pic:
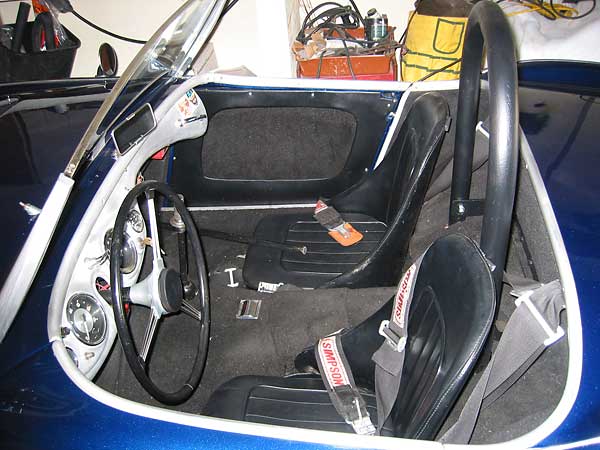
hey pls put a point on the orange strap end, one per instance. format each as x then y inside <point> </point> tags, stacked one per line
<point>355,236</point>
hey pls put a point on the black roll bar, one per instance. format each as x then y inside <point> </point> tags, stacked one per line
<point>488,26</point>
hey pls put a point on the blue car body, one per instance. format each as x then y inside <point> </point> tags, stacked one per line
<point>41,407</point>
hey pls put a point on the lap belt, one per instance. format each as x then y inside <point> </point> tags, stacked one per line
<point>340,230</point>
<point>340,385</point>
<point>532,327</point>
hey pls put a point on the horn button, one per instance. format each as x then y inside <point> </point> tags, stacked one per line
<point>170,290</point>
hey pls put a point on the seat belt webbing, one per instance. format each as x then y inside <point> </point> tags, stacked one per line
<point>342,390</point>
<point>522,342</point>
<point>389,358</point>
<point>389,361</point>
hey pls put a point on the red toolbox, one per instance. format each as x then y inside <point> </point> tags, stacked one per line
<point>366,67</point>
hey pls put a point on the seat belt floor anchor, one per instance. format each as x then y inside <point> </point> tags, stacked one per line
<point>553,336</point>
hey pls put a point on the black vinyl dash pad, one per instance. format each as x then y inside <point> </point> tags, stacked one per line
<point>277,143</point>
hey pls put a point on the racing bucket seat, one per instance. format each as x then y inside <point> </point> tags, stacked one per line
<point>453,303</point>
<point>383,206</point>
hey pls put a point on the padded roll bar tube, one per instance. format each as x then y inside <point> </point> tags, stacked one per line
<point>488,25</point>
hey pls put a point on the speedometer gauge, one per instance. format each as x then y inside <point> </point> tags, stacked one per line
<point>86,318</point>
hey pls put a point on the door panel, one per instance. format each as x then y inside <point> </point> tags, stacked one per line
<point>280,146</point>
<point>281,143</point>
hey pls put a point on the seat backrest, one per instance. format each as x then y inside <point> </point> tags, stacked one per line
<point>450,318</point>
<point>395,191</point>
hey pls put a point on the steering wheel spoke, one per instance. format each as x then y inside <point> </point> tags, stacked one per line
<point>141,292</point>
<point>190,310</point>
<point>149,334</point>
<point>155,242</point>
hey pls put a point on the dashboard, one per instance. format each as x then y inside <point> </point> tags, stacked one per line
<point>88,328</point>
<point>80,311</point>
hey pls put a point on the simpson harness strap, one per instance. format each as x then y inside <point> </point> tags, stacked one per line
<point>338,379</point>
<point>532,327</point>
<point>389,359</point>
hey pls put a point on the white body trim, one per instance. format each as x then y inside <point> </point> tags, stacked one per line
<point>21,276</point>
<point>574,331</point>
<point>244,207</point>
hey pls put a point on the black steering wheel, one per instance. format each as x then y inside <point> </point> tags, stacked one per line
<point>164,291</point>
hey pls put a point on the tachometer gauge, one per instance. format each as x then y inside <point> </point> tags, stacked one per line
<point>135,220</point>
<point>86,318</point>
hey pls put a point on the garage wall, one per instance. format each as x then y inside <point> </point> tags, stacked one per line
<point>255,33</point>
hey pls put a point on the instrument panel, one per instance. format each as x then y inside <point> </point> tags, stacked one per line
<point>87,325</point>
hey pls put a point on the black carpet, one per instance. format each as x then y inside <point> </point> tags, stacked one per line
<point>288,322</point>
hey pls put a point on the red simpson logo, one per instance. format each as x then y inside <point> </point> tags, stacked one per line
<point>320,206</point>
<point>403,290</point>
<point>332,363</point>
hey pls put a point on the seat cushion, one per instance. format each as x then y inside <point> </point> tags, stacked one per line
<point>325,258</point>
<point>298,401</point>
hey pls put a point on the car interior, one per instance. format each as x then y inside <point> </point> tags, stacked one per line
<point>221,227</point>
<point>333,287</point>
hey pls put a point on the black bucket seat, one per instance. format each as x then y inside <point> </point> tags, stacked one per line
<point>383,206</point>
<point>449,321</point>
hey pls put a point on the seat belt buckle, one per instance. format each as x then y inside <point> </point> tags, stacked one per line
<point>340,230</point>
<point>346,234</point>
<point>362,424</point>
<point>398,343</point>
<point>553,336</point>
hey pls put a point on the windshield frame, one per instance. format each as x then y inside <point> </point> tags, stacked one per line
<point>149,65</point>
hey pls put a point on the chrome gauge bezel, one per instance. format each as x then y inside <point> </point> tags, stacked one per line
<point>129,255</point>
<point>129,251</point>
<point>88,306</point>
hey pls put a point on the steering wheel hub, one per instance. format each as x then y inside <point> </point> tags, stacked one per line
<point>170,290</point>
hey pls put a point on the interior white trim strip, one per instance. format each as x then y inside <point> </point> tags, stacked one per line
<point>243,207</point>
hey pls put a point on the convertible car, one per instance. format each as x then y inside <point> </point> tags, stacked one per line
<point>218,261</point>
